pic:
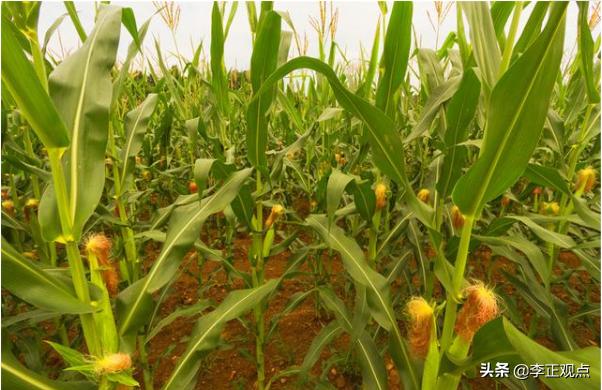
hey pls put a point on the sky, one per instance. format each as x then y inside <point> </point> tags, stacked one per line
<point>356,26</point>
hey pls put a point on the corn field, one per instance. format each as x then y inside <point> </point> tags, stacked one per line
<point>418,218</point>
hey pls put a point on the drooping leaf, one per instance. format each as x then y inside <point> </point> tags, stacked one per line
<point>362,192</point>
<point>133,50</point>
<point>243,204</point>
<point>30,282</point>
<point>531,251</point>
<point>547,177</point>
<point>19,77</point>
<point>559,239</point>
<point>187,311</point>
<point>16,376</point>
<point>326,335</point>
<point>384,140</point>
<point>207,331</point>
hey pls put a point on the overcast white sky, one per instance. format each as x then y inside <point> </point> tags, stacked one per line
<point>356,26</point>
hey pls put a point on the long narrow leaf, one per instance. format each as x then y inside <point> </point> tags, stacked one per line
<point>207,332</point>
<point>34,285</point>
<point>19,77</point>
<point>263,62</point>
<point>395,55</point>
<point>81,90</point>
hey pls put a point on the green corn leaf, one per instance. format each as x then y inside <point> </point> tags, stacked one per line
<point>530,250</point>
<point>561,240</point>
<point>376,288</point>
<point>516,113</point>
<point>366,87</point>
<point>374,375</point>
<point>212,254</point>
<point>133,50</point>
<point>394,60</point>
<point>19,163</point>
<point>219,80</point>
<point>547,177</point>
<point>337,182</point>
<point>252,16</point>
<point>431,70</point>
<point>243,204</point>
<point>70,6</point>
<point>81,90</point>
<point>128,19</point>
<point>136,125</point>
<point>173,86</point>
<point>500,13</point>
<point>263,62</point>
<point>71,356</point>
<point>591,262</point>
<point>357,266</point>
<point>51,30</point>
<point>485,46</point>
<point>591,218</point>
<point>11,222</point>
<point>265,9</point>
<point>207,332</point>
<point>326,335</point>
<point>135,303</point>
<point>440,95</point>
<point>460,112</point>
<point>364,199</point>
<point>294,301</point>
<point>231,15</point>
<point>33,284</point>
<point>16,376</point>
<point>586,54</point>
<point>28,319</point>
<point>285,45</point>
<point>532,28</point>
<point>20,79</point>
<point>187,311</point>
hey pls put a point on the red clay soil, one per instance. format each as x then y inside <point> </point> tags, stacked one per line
<point>233,367</point>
